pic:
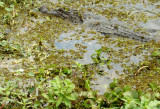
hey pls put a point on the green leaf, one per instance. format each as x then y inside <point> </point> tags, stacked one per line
<point>131,94</point>
<point>153,86</point>
<point>67,102</point>
<point>127,88</point>
<point>24,107</point>
<point>157,95</point>
<point>107,49</point>
<point>8,9</point>
<point>12,5</point>
<point>113,85</point>
<point>87,103</point>
<point>51,67</point>
<point>87,84</point>
<point>99,51</point>
<point>31,90</point>
<point>49,107</point>
<point>156,53</point>
<point>1,36</point>
<point>3,43</point>
<point>118,89</point>
<point>1,4</point>
<point>36,104</point>
<point>45,96</point>
<point>67,71</point>
<point>31,74</point>
<point>1,90</point>
<point>136,101</point>
<point>108,62</point>
<point>71,97</point>
<point>59,102</point>
<point>8,92</point>
<point>108,95</point>
<point>15,46</point>
<point>93,56</point>
<point>153,104</point>
<point>158,69</point>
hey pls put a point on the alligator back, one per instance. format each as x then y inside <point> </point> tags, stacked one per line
<point>97,23</point>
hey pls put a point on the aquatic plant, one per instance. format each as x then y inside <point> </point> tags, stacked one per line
<point>50,80</point>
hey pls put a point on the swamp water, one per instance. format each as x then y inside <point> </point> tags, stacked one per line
<point>64,43</point>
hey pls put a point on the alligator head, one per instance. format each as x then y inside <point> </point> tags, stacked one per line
<point>72,15</point>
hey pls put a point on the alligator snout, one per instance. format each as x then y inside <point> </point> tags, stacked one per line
<point>72,15</point>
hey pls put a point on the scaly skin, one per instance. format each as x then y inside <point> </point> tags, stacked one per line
<point>72,15</point>
<point>101,26</point>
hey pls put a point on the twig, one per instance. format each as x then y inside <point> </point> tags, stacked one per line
<point>3,105</point>
<point>140,69</point>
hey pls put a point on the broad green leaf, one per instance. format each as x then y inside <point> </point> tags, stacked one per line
<point>153,86</point>
<point>158,69</point>
<point>8,9</point>
<point>156,53</point>
<point>59,102</point>
<point>91,94</point>
<point>136,101</point>
<point>145,99</point>
<point>36,104</point>
<point>8,92</point>
<point>31,90</point>
<point>126,88</point>
<point>31,73</point>
<point>154,104</point>
<point>24,107</point>
<point>71,97</point>
<point>19,102</point>
<point>49,107</point>
<point>3,43</point>
<point>45,96</point>
<point>114,94</point>
<point>118,89</point>
<point>29,102</point>
<point>108,96</point>
<point>1,4</point>
<point>51,101</point>
<point>87,103</point>
<point>157,95</point>
<point>131,94</point>
<point>67,71</point>
<point>12,5</point>
<point>112,85</point>
<point>67,102</point>
<point>99,51</point>
<point>25,100</point>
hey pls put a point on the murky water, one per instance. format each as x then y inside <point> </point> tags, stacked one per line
<point>102,82</point>
<point>124,54</point>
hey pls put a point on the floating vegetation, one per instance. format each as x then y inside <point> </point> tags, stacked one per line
<point>48,62</point>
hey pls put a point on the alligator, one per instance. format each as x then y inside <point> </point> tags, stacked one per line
<point>93,22</point>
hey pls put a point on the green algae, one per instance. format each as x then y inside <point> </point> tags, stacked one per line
<point>41,31</point>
